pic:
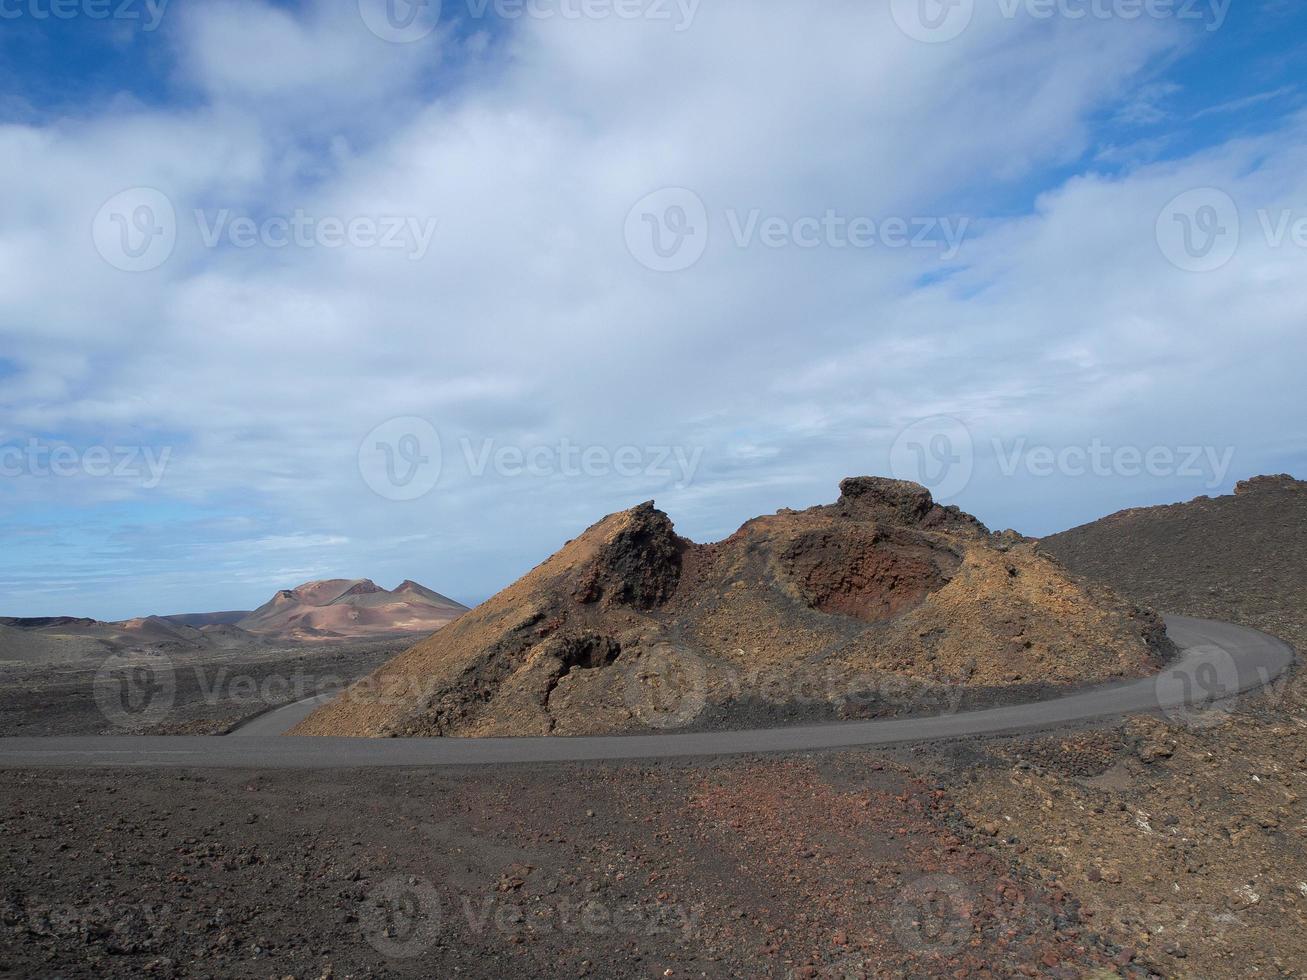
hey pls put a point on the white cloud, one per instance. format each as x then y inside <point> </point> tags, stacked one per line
<point>528,320</point>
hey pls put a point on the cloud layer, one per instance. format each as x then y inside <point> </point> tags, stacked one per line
<point>278,331</point>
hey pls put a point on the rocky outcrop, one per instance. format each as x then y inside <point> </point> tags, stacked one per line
<point>1279,483</point>
<point>870,574</point>
<point>639,566</point>
<point>630,624</point>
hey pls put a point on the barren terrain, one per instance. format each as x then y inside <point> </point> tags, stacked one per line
<point>1155,847</point>
<point>846,865</point>
<point>202,692</point>
<point>332,611</point>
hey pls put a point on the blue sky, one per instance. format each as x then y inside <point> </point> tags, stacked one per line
<point>295,291</point>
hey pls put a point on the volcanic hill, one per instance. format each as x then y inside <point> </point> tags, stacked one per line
<point>340,608</point>
<point>1242,557</point>
<point>882,590</point>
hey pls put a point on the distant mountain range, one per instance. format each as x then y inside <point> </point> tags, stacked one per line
<point>315,612</point>
<point>350,608</point>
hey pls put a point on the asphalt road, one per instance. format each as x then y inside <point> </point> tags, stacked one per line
<point>1220,660</point>
<point>281,720</point>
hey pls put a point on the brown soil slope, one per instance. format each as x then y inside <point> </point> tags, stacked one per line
<point>882,585</point>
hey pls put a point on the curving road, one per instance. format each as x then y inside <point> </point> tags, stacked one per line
<point>1219,660</point>
<point>279,721</point>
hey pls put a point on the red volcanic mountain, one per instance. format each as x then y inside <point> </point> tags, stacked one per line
<point>350,608</point>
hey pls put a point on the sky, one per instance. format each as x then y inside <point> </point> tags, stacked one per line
<point>371,289</point>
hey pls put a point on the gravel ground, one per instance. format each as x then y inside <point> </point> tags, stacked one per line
<point>851,864</point>
<point>1189,837</point>
<point>186,693</point>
